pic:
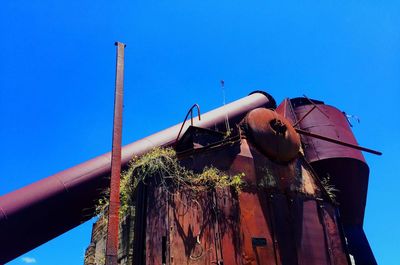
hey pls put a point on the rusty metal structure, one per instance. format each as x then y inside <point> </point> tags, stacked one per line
<point>113,211</point>
<point>283,215</point>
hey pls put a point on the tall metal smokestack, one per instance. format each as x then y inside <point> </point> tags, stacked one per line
<point>113,209</point>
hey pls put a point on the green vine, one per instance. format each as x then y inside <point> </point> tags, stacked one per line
<point>163,163</point>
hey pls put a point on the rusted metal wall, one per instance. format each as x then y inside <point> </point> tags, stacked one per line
<point>283,214</point>
<point>279,217</point>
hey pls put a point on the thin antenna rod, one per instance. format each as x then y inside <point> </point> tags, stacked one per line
<point>228,129</point>
<point>113,209</point>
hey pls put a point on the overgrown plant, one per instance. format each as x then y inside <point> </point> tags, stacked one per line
<point>329,188</point>
<point>267,180</point>
<point>163,164</point>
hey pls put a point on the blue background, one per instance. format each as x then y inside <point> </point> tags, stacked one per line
<point>57,66</point>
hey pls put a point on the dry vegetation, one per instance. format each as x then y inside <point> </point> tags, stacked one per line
<point>162,166</point>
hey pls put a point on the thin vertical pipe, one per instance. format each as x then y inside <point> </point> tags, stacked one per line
<point>113,210</point>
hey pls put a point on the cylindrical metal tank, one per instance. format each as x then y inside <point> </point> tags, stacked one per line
<point>345,166</point>
<point>43,210</point>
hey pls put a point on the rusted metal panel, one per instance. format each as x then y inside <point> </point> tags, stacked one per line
<point>255,225</point>
<point>229,226</point>
<point>192,232</point>
<point>182,229</point>
<point>139,237</point>
<point>304,116</point>
<point>157,230</point>
<point>254,220</point>
<point>336,247</point>
<point>283,228</point>
<point>311,248</point>
<point>286,110</point>
<point>222,206</point>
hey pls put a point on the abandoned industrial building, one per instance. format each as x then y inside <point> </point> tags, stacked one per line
<point>247,183</point>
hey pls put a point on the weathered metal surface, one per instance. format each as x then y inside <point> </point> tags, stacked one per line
<point>193,230</point>
<point>113,209</point>
<point>25,219</point>
<point>335,243</point>
<point>254,219</point>
<point>156,226</point>
<point>182,229</point>
<point>284,232</point>
<point>312,248</point>
<point>286,110</point>
<point>273,134</point>
<point>229,224</point>
<point>139,240</point>
<point>315,104</point>
<point>304,116</point>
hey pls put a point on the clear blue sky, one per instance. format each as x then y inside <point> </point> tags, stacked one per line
<point>57,65</point>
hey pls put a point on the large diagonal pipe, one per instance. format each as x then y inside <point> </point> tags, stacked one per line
<point>45,209</point>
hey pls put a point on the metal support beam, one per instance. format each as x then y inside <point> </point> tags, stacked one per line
<point>113,209</point>
<point>315,105</point>
<point>305,115</point>
<point>335,141</point>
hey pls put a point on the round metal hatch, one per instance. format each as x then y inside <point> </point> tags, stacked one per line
<point>273,134</point>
